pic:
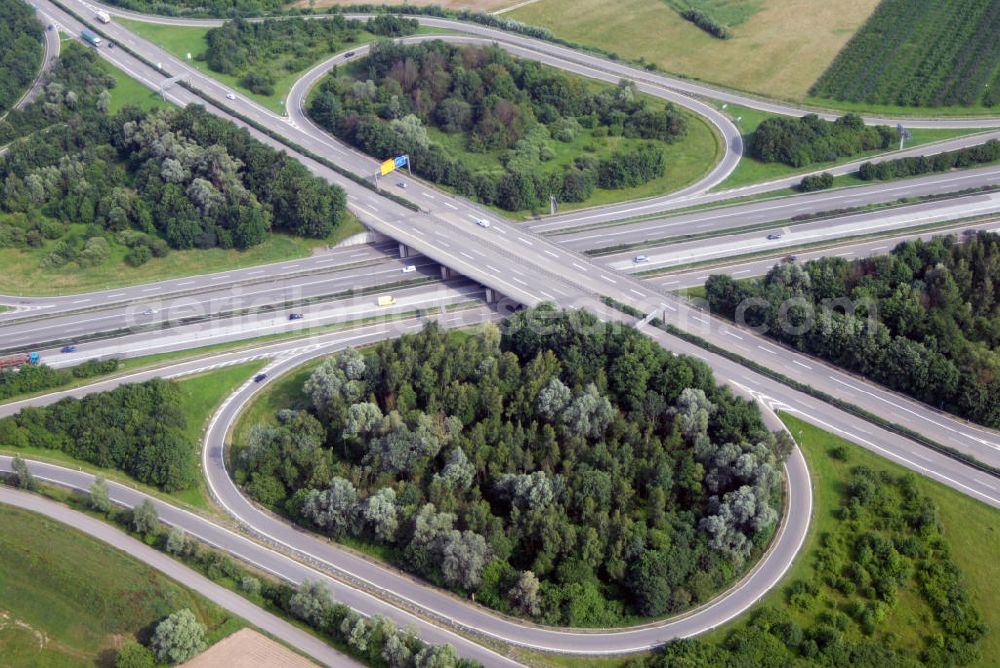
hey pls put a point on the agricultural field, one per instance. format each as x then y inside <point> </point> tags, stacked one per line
<point>69,600</point>
<point>779,51</point>
<point>474,5</point>
<point>920,53</point>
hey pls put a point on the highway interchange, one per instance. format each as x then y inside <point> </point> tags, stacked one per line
<point>527,263</point>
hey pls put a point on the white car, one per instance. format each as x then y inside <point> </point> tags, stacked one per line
<point>482,222</point>
<point>230,96</point>
<point>409,269</point>
<point>640,258</point>
<point>149,311</point>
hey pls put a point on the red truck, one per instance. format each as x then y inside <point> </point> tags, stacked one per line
<point>18,360</point>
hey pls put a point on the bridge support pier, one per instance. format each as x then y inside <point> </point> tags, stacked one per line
<point>492,296</point>
<point>404,250</point>
<point>447,273</point>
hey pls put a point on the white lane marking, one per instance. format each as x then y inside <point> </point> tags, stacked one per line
<point>547,295</point>
<point>427,195</point>
<point>548,252</point>
<point>699,319</point>
<point>253,273</point>
<point>419,231</point>
<point>445,244</point>
<point>805,366</point>
<point>732,334</point>
<point>466,255</point>
<point>580,267</point>
<point>81,301</point>
<point>151,289</point>
<point>117,294</point>
<point>524,241</point>
<point>451,206</point>
<point>768,350</point>
<point>668,306</point>
<point>609,280</point>
<point>500,231</point>
<point>493,269</point>
<point>518,280</point>
<point>636,292</point>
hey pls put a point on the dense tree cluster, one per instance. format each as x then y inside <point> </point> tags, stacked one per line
<point>35,378</point>
<point>258,52</point>
<point>134,428</point>
<point>888,552</point>
<point>924,320</point>
<point>802,141</point>
<point>501,109</point>
<point>706,23</point>
<point>568,470</point>
<point>20,50</point>
<point>980,154</point>
<point>149,181</point>
<point>815,182</point>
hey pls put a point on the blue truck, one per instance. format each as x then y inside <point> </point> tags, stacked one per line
<point>90,37</point>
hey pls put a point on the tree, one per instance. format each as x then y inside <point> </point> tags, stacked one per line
<point>145,518</point>
<point>178,638</point>
<point>525,596</point>
<point>378,513</point>
<point>177,541</point>
<point>134,655</point>
<point>22,476</point>
<point>311,601</point>
<point>464,554</point>
<point>100,499</point>
<point>437,656</point>
<point>333,508</point>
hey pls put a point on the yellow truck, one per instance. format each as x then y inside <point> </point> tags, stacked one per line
<point>387,300</point>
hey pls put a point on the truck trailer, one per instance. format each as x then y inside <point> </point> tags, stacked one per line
<point>90,37</point>
<point>18,360</point>
<point>103,17</point>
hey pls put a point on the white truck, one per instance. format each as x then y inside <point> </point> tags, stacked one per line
<point>103,17</point>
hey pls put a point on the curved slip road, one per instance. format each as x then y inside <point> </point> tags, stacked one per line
<point>411,593</point>
<point>234,603</point>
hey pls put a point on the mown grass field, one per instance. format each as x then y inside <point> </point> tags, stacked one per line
<point>129,92</point>
<point>971,528</point>
<point>69,600</point>
<point>778,51</point>
<point>201,396</point>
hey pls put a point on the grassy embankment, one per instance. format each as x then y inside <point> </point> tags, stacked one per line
<point>751,171</point>
<point>69,600</point>
<point>201,395</point>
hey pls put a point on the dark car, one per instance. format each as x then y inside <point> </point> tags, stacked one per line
<point>773,236</point>
<point>349,54</point>
<point>259,377</point>
<point>50,27</point>
<point>68,349</point>
<point>111,45</point>
<point>295,316</point>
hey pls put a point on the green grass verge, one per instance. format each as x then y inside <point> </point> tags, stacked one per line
<point>24,275</point>
<point>129,92</point>
<point>183,40</point>
<point>201,394</point>
<point>70,600</point>
<point>750,171</point>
